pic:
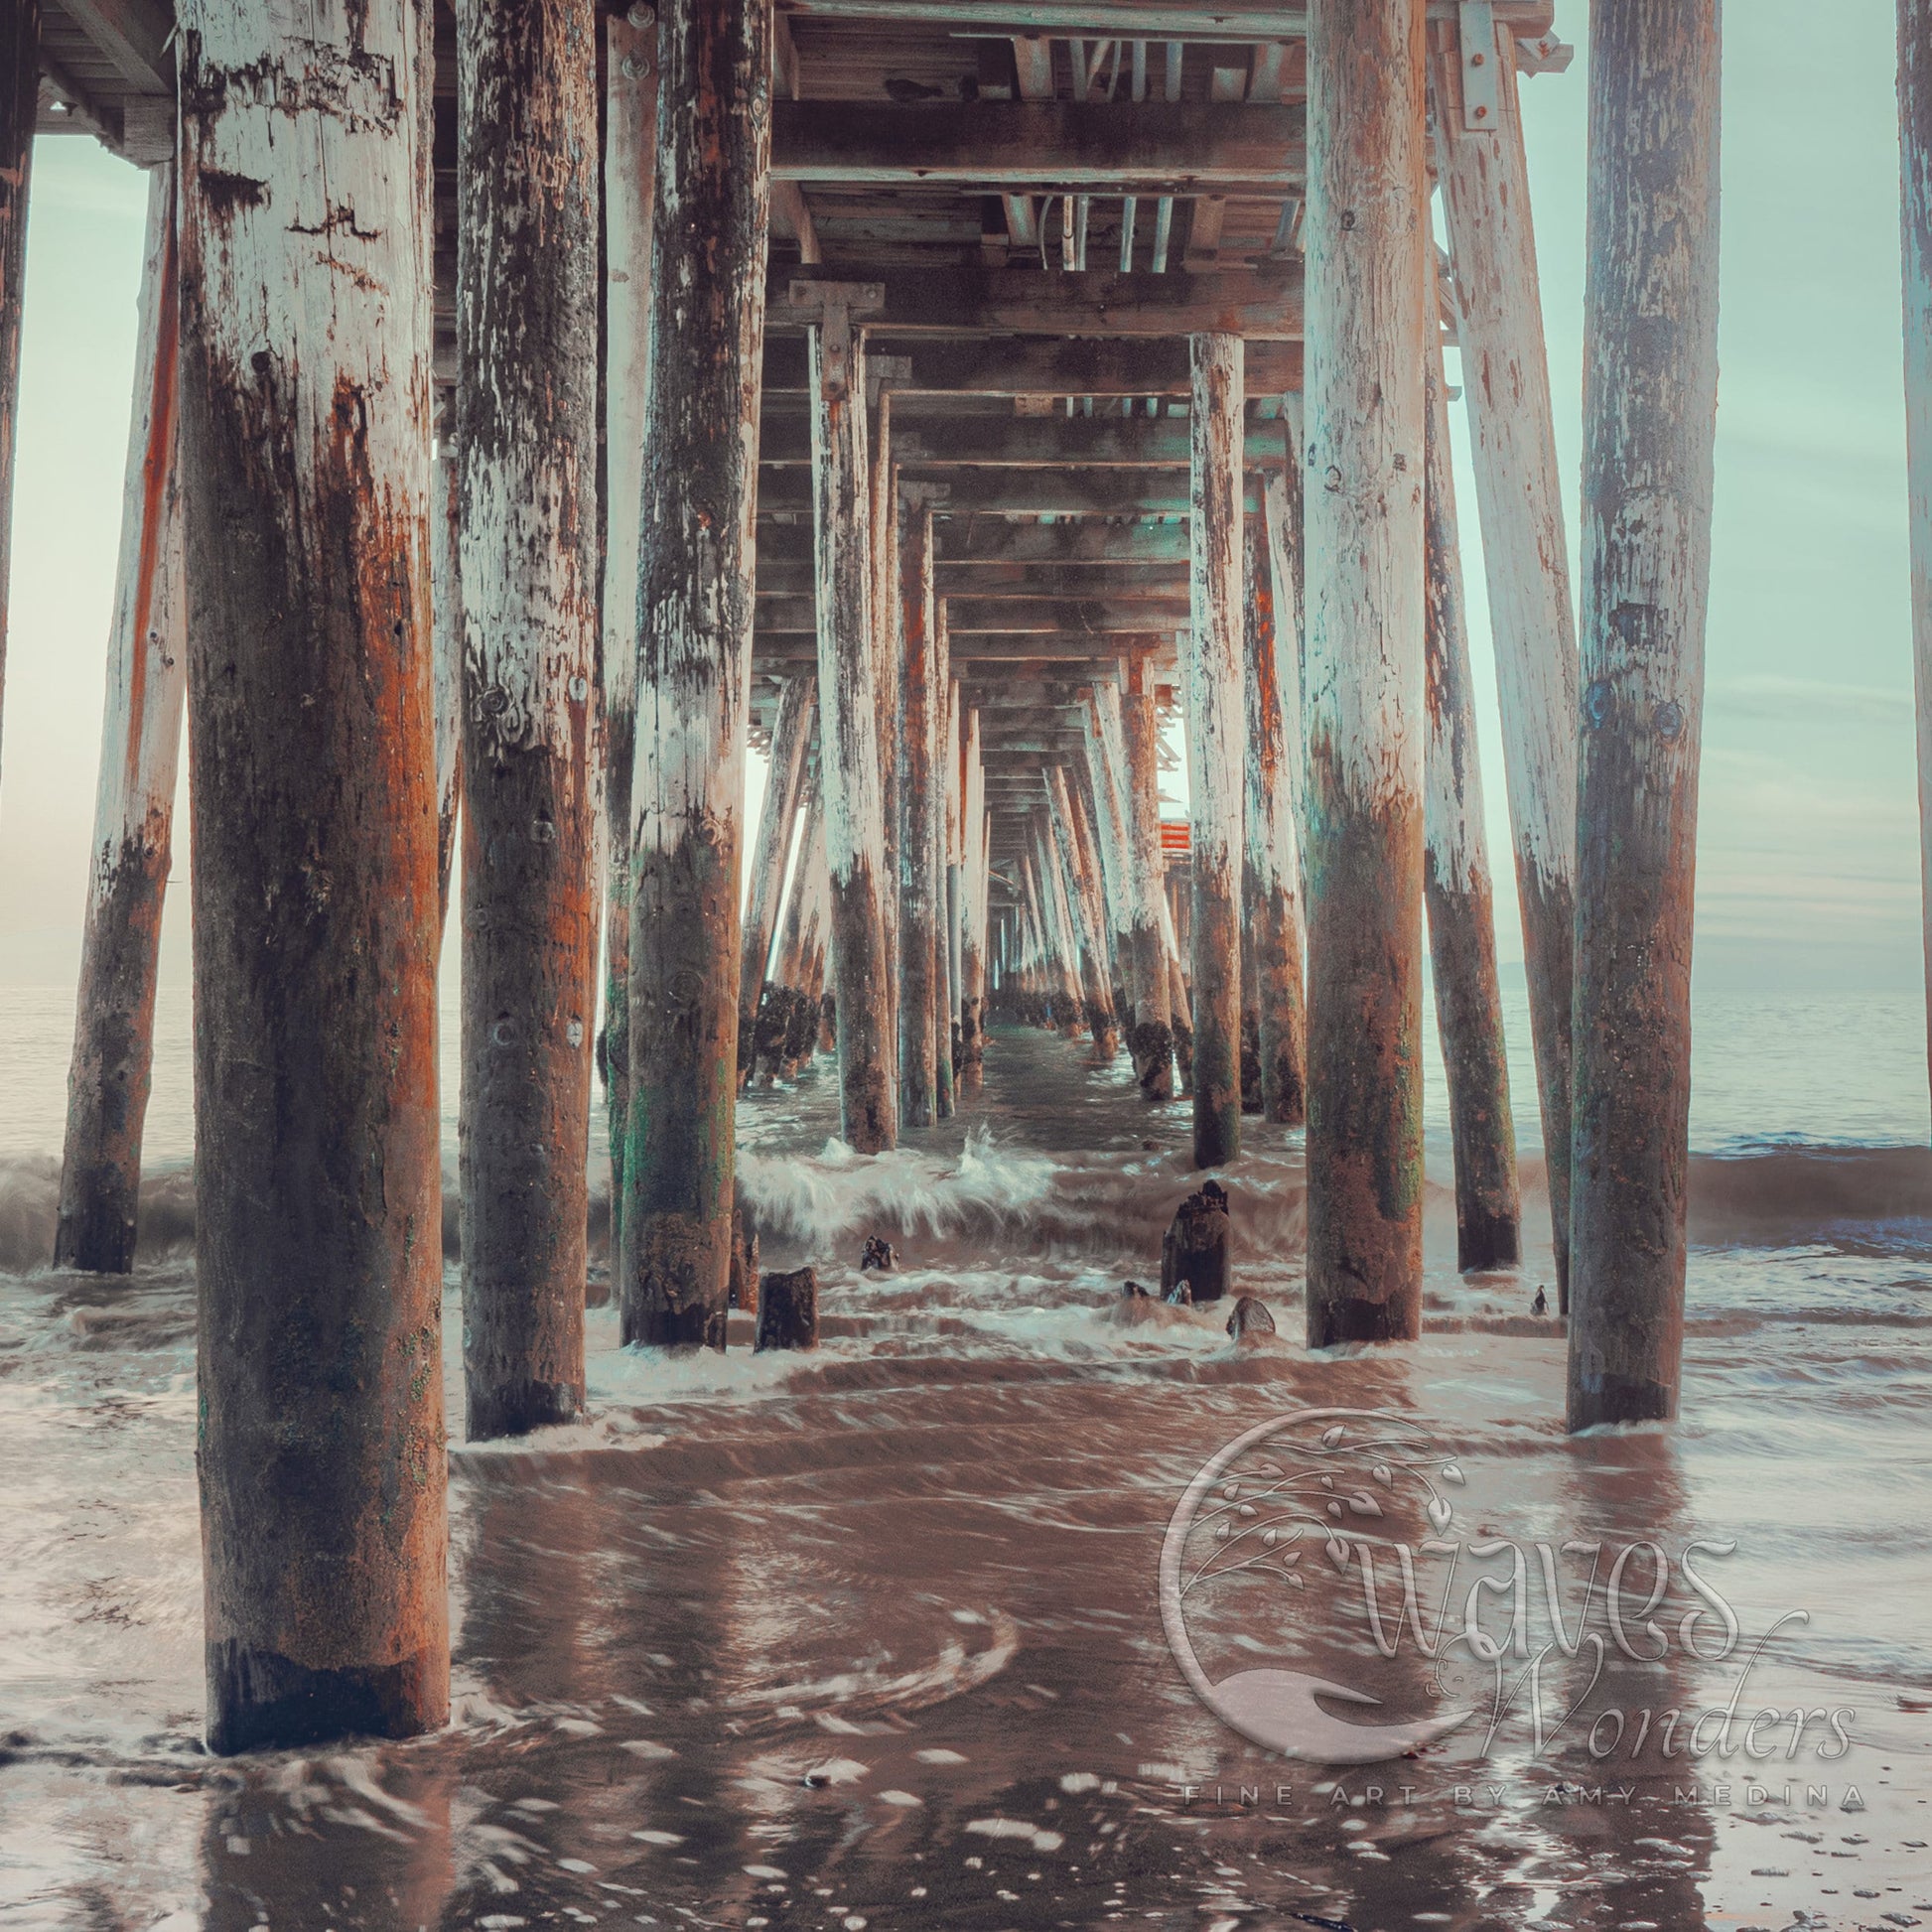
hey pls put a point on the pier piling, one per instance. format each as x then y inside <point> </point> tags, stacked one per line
<point>1526,556</point>
<point>629,204</point>
<point>1216,739</point>
<point>695,623</point>
<point>1457,889</point>
<point>1367,225</point>
<point>1271,865</point>
<point>134,805</point>
<point>526,432</point>
<point>848,720</point>
<point>305,484</point>
<point>1650,402</point>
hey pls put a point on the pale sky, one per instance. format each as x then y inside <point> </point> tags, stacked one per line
<point>1808,838</point>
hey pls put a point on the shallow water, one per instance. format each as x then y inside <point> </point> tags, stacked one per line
<point>874,1634</point>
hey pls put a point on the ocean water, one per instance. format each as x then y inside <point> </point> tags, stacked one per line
<point>875,1635</point>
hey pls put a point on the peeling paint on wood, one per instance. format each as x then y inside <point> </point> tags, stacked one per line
<point>1651,399</point>
<point>526,428</point>
<point>1457,888</point>
<point>305,481</point>
<point>1526,558</point>
<point>147,676</point>
<point>1216,743</point>
<point>694,606</point>
<point>1367,229</point>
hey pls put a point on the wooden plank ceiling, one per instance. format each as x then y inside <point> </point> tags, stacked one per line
<point>1053,196</point>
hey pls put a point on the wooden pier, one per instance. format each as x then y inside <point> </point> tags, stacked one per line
<point>967,405</point>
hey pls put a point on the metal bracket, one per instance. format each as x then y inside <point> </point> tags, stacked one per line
<point>883,373</point>
<point>832,306</point>
<point>1482,88</point>
<point>1547,55</point>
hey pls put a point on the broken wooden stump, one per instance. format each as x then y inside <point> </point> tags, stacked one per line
<point>1195,1251</point>
<point>788,1311</point>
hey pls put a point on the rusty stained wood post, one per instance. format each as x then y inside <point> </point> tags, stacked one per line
<point>20,80</point>
<point>848,714</point>
<point>972,934</point>
<point>1526,561</point>
<point>147,674</point>
<point>1124,754</point>
<point>629,203</point>
<point>526,429</point>
<point>1085,923</point>
<point>305,460</point>
<point>1650,400</point>
<point>791,737</point>
<point>1456,885</point>
<point>1915,227</point>
<point>1367,225</point>
<point>694,649</point>
<point>1216,741</point>
<point>1270,866</point>
<point>919,1095</point>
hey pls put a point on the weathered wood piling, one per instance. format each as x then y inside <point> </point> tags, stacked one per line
<point>848,720</point>
<point>1367,229</point>
<point>1457,889</point>
<point>919,1095</point>
<point>1650,398</point>
<point>1216,741</point>
<point>944,764</point>
<point>147,676</point>
<point>526,436</point>
<point>1084,919</point>
<point>446,671</point>
<point>1270,863</point>
<point>629,204</point>
<point>1525,545</point>
<point>1129,747</point>
<point>695,621</point>
<point>305,459</point>
<point>971,933</point>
